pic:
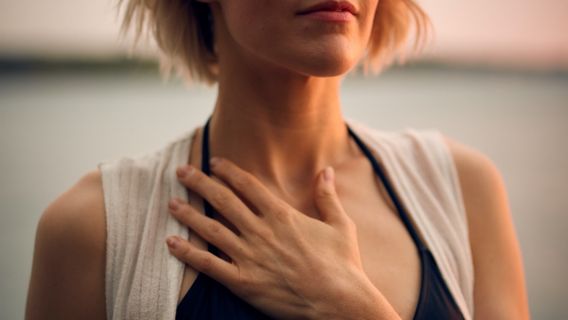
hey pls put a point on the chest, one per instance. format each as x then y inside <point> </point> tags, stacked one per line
<point>389,255</point>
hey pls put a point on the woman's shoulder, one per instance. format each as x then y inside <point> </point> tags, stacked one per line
<point>401,140</point>
<point>69,254</point>
<point>83,204</point>
<point>130,181</point>
<point>76,216</point>
<point>500,289</point>
<point>75,229</point>
<point>136,190</point>
<point>464,167</point>
<point>432,145</point>
<point>422,151</point>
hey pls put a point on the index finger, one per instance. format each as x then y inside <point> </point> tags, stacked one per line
<point>246,185</point>
<point>219,196</point>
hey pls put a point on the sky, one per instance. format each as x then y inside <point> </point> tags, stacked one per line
<point>509,32</point>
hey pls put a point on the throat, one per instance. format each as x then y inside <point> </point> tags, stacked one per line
<point>288,157</point>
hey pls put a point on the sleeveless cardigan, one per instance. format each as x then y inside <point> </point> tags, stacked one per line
<point>142,278</point>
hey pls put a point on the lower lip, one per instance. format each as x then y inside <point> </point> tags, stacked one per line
<point>330,16</point>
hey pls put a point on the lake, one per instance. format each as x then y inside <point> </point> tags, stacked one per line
<point>55,125</point>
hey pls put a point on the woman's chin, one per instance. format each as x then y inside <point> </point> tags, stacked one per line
<point>329,63</point>
<point>327,68</point>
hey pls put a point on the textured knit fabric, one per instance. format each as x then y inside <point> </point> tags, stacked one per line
<point>143,279</point>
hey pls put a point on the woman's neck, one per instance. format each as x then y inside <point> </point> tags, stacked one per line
<point>284,132</point>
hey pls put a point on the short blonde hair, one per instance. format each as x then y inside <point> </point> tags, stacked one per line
<point>183,32</point>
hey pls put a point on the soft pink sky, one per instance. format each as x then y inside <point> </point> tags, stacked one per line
<point>527,33</point>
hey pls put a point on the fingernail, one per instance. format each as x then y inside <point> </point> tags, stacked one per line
<point>180,172</point>
<point>214,161</point>
<point>184,171</point>
<point>328,174</point>
<point>172,242</point>
<point>174,204</point>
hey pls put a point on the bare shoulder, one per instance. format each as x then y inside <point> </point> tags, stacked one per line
<point>79,207</point>
<point>500,290</point>
<point>69,255</point>
<point>474,167</point>
<point>78,214</point>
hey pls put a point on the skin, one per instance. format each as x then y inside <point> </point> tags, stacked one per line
<point>277,121</point>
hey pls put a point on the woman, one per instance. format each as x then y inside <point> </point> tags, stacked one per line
<point>293,211</point>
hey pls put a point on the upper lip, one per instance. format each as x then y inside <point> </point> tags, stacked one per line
<point>331,6</point>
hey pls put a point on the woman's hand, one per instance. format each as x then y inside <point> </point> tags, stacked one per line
<point>283,262</point>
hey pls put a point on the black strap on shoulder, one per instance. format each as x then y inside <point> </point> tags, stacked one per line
<point>390,190</point>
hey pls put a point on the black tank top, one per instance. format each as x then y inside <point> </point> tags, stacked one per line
<point>209,299</point>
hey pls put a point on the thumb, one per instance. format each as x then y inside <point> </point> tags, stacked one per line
<point>326,199</point>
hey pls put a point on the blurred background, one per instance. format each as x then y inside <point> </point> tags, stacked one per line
<point>495,76</point>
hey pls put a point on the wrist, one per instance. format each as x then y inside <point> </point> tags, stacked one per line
<point>374,306</point>
<point>355,297</point>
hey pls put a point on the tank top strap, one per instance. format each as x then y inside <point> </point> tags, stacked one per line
<point>390,190</point>
<point>209,211</point>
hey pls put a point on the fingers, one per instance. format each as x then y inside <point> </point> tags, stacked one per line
<point>247,185</point>
<point>220,197</point>
<point>209,229</point>
<point>203,261</point>
<point>327,201</point>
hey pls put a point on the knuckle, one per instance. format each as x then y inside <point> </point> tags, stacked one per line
<point>196,178</point>
<point>243,252</point>
<point>324,193</point>
<point>214,229</point>
<point>184,209</point>
<point>241,182</point>
<point>282,215</point>
<point>220,199</point>
<point>266,234</point>
<point>220,163</point>
<point>206,264</point>
<point>185,252</point>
